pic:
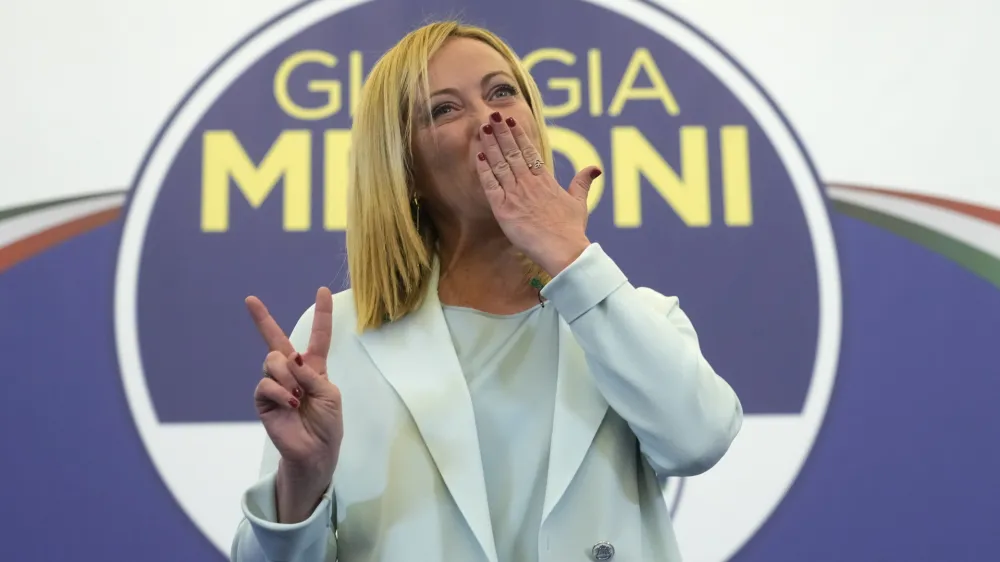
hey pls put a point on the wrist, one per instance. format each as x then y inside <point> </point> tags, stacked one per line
<point>299,490</point>
<point>560,255</point>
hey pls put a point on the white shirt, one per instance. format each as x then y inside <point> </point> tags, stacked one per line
<point>510,363</point>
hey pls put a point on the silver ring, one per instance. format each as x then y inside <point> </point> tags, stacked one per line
<point>536,164</point>
<point>266,374</point>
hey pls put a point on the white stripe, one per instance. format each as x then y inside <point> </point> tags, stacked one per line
<point>33,222</point>
<point>975,232</point>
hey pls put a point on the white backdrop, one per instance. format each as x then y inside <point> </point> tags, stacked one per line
<point>892,93</point>
<point>887,94</point>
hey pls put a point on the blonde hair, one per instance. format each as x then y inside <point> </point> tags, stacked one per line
<point>389,256</point>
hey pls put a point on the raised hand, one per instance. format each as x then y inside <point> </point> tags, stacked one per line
<point>299,407</point>
<point>545,221</point>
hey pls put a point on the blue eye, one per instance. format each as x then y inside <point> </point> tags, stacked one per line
<point>507,89</point>
<point>440,110</point>
<point>503,90</point>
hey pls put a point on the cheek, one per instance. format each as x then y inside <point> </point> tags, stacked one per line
<point>443,150</point>
<point>443,164</point>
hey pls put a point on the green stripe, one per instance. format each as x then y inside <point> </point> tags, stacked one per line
<point>981,263</point>
<point>15,211</point>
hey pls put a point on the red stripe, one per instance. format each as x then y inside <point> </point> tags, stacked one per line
<point>38,243</point>
<point>985,213</point>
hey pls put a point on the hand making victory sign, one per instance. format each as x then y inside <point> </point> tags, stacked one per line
<point>299,407</point>
<point>548,223</point>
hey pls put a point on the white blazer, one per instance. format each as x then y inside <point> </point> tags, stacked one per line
<point>636,402</point>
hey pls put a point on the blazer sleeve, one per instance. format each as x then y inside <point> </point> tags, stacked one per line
<point>644,356</point>
<point>259,537</point>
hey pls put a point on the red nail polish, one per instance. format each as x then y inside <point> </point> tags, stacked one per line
<point>496,116</point>
<point>488,129</point>
<point>297,392</point>
<point>481,156</point>
<point>293,402</point>
<point>298,359</point>
<point>511,122</point>
<point>594,174</point>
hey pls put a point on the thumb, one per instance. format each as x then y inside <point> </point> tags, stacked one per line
<point>580,186</point>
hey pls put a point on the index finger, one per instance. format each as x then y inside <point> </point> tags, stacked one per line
<point>269,329</point>
<point>322,327</point>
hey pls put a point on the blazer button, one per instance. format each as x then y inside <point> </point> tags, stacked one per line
<point>603,551</point>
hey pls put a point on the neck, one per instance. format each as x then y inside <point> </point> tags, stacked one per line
<point>481,269</point>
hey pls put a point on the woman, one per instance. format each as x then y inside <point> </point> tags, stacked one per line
<point>508,395</point>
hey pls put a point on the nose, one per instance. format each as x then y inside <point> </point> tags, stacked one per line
<point>479,115</point>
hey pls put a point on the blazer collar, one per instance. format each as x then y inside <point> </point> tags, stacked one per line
<point>416,357</point>
<point>579,410</point>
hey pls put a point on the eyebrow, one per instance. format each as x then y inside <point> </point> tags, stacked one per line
<point>482,83</point>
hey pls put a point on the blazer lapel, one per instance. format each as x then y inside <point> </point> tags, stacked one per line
<point>579,410</point>
<point>416,356</point>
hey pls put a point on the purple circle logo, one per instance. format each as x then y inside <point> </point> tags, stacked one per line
<point>707,195</point>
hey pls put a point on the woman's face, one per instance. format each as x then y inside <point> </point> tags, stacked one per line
<point>468,81</point>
